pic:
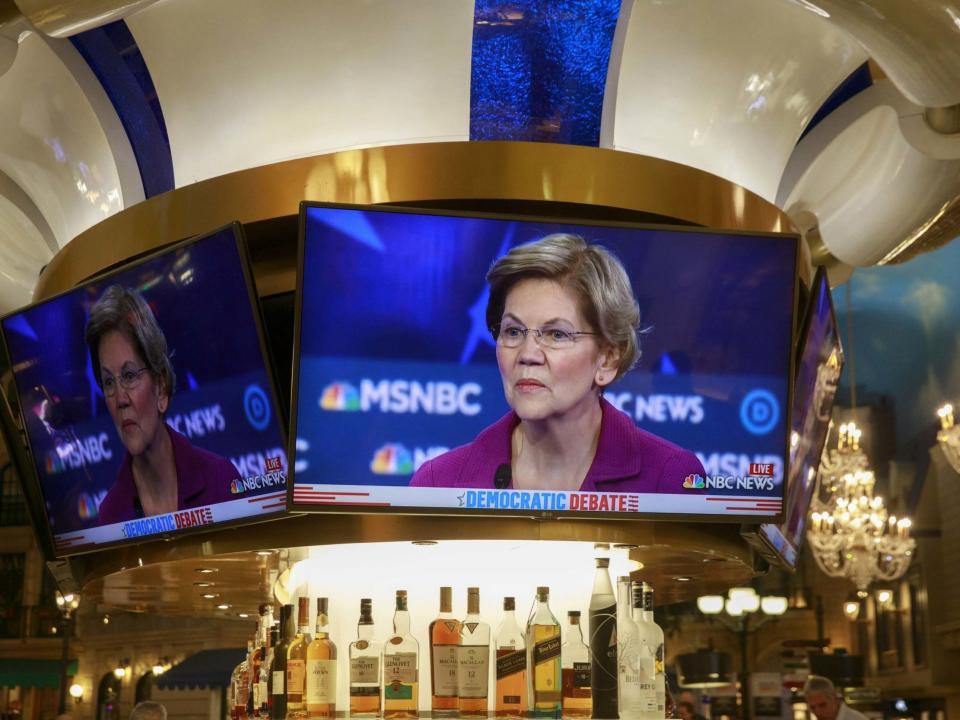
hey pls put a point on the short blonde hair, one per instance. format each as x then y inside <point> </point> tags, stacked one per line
<point>591,272</point>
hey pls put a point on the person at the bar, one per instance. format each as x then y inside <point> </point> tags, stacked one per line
<point>823,701</point>
<point>565,322</point>
<point>161,471</point>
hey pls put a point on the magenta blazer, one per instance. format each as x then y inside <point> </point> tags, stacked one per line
<point>203,478</point>
<point>628,459</point>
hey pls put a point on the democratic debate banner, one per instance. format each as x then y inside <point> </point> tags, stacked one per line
<point>396,365</point>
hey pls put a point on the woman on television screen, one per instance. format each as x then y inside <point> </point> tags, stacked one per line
<point>565,322</point>
<point>161,471</point>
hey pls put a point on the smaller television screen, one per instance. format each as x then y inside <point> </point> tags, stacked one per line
<point>147,399</point>
<point>818,372</point>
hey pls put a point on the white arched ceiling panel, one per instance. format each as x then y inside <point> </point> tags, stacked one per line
<point>868,186</point>
<point>52,144</point>
<point>726,87</point>
<point>23,252</point>
<point>294,78</point>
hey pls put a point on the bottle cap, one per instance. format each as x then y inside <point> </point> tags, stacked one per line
<point>322,605</point>
<point>603,562</point>
<point>446,599</point>
<point>509,603</point>
<point>573,613</point>
<point>623,579</point>
<point>543,590</point>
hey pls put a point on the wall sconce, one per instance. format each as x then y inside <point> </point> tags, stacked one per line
<point>851,607</point>
<point>122,670</point>
<point>158,669</point>
<point>76,692</point>
<point>885,599</point>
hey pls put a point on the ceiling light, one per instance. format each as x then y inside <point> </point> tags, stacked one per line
<point>710,604</point>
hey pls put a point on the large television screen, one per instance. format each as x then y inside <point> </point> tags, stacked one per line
<point>818,373</point>
<point>418,385</point>
<point>147,399</point>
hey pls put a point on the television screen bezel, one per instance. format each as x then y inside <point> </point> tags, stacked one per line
<point>31,481</point>
<point>764,534</point>
<point>293,506</point>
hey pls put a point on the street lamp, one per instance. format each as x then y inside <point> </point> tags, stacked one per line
<point>66,604</point>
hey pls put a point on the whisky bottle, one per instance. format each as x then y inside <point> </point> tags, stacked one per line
<point>297,663</point>
<point>511,690</point>
<point>647,644</point>
<point>279,666</point>
<point>543,658</point>
<point>266,673</point>
<point>253,698</point>
<point>401,657</point>
<point>474,660</point>
<point>239,685</point>
<point>576,671</point>
<point>630,696</point>
<point>365,666</point>
<point>444,640</point>
<point>603,643</point>
<point>321,686</point>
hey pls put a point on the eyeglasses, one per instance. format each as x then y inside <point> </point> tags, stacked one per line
<point>128,380</point>
<point>548,336</point>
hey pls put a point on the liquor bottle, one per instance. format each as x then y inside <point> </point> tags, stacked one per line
<point>603,643</point>
<point>297,663</point>
<point>630,695</point>
<point>321,687</point>
<point>444,634</point>
<point>401,656</point>
<point>238,682</point>
<point>278,669</point>
<point>474,660</point>
<point>266,675</point>
<point>364,655</point>
<point>658,655</point>
<point>511,699</point>
<point>576,670</point>
<point>543,658</point>
<point>253,698</point>
<point>647,643</point>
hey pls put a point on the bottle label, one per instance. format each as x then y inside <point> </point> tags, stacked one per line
<point>256,695</point>
<point>445,670</point>
<point>400,668</point>
<point>511,663</point>
<point>581,674</point>
<point>279,676</point>
<point>321,681</point>
<point>546,650</point>
<point>365,669</point>
<point>262,685</point>
<point>365,691</point>
<point>296,679</point>
<point>474,669</point>
<point>397,691</point>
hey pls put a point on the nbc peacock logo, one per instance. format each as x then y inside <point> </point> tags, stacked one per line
<point>691,482</point>
<point>392,459</point>
<point>52,463</point>
<point>340,396</point>
<point>236,486</point>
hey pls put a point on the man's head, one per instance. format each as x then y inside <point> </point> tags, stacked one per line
<point>821,697</point>
<point>685,710</point>
<point>148,710</point>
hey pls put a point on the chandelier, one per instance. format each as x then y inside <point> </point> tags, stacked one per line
<point>949,436</point>
<point>853,536</point>
<point>846,458</point>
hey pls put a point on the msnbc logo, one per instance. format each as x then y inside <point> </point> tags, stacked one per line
<point>340,396</point>
<point>694,482</point>
<point>392,459</point>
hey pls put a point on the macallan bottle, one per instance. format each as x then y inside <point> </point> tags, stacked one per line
<point>603,643</point>
<point>543,658</point>
<point>297,663</point>
<point>511,690</point>
<point>577,696</point>
<point>321,687</point>
<point>474,660</point>
<point>444,641</point>
<point>365,666</point>
<point>401,659</point>
<point>288,629</point>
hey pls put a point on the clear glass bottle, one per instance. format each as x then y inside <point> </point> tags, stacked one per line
<point>630,696</point>
<point>576,670</point>
<point>256,660</point>
<point>647,644</point>
<point>321,685</point>
<point>297,663</point>
<point>240,685</point>
<point>266,673</point>
<point>474,660</point>
<point>401,664</point>
<point>278,667</point>
<point>444,634</point>
<point>660,677</point>
<point>603,643</point>
<point>511,690</point>
<point>364,655</point>
<point>543,658</point>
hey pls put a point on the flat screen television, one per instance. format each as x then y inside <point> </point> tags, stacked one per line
<point>395,364</point>
<point>819,365</point>
<point>146,399</point>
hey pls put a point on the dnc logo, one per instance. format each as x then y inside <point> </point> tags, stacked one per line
<point>392,459</point>
<point>694,482</point>
<point>340,396</point>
